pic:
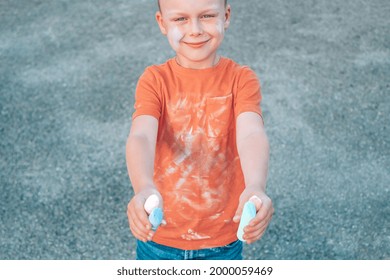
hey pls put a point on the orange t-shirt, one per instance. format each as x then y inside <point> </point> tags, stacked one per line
<point>197,168</point>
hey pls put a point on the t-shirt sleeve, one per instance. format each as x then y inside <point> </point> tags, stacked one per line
<point>248,96</point>
<point>147,97</point>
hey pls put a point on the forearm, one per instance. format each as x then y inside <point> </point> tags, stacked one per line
<point>254,157</point>
<point>140,162</point>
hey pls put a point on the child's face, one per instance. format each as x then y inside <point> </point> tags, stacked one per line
<point>195,29</point>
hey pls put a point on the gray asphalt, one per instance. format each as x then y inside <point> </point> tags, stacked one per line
<point>68,71</point>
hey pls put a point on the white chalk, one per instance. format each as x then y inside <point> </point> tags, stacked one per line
<point>151,203</point>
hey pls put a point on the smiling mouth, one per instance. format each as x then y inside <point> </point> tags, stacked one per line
<point>196,44</point>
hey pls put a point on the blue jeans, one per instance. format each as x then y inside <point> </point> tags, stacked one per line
<point>153,251</point>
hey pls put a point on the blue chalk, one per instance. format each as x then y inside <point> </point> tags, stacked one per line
<point>155,217</point>
<point>248,214</point>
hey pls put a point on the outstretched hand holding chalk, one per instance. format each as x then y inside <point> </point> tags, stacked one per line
<point>254,215</point>
<point>145,215</point>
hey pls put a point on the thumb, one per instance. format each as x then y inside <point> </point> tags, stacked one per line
<point>256,201</point>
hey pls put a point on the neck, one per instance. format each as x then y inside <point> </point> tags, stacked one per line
<point>197,65</point>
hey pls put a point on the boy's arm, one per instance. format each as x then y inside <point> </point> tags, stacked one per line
<point>140,153</point>
<point>140,150</point>
<point>253,149</point>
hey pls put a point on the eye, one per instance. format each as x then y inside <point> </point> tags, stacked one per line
<point>180,19</point>
<point>208,16</point>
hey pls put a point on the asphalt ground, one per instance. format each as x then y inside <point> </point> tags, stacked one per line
<point>68,71</point>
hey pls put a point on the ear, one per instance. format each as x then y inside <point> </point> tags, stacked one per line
<point>227,17</point>
<point>160,21</point>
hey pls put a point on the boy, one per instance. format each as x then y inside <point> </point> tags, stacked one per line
<point>197,141</point>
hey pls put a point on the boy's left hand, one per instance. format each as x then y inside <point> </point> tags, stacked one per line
<point>257,226</point>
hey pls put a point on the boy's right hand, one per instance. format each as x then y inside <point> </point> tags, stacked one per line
<point>137,216</point>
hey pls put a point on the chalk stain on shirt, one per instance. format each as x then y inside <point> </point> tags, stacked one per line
<point>170,170</point>
<point>187,139</point>
<point>192,235</point>
<point>215,147</point>
<point>219,115</point>
<point>181,104</point>
<point>181,157</point>
<point>180,183</point>
<point>184,176</point>
<point>196,191</point>
<point>216,216</point>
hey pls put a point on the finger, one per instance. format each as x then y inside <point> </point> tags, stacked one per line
<point>141,235</point>
<point>250,238</point>
<point>137,234</point>
<point>135,221</point>
<point>137,231</point>
<point>262,214</point>
<point>253,240</point>
<point>133,217</point>
<point>254,234</point>
<point>141,214</point>
<point>262,223</point>
<point>250,229</point>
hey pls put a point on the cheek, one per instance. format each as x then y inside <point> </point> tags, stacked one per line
<point>174,37</point>
<point>220,27</point>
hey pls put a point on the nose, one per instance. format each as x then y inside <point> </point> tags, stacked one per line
<point>196,28</point>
